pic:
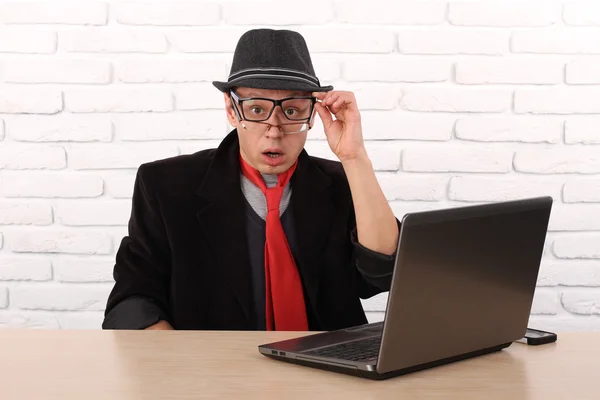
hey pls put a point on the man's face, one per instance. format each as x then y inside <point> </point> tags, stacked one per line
<point>269,151</point>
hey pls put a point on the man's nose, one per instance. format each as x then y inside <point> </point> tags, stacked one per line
<point>274,120</point>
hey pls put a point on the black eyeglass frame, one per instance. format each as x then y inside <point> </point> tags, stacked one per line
<point>276,103</point>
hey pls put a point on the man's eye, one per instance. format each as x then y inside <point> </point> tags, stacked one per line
<point>291,112</point>
<point>256,110</point>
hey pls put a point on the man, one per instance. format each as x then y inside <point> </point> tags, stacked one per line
<point>257,234</point>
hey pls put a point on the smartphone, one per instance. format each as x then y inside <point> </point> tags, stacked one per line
<point>537,337</point>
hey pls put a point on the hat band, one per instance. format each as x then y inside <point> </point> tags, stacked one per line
<point>273,73</point>
<point>268,76</point>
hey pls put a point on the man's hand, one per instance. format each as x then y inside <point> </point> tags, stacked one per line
<point>160,326</point>
<point>344,134</point>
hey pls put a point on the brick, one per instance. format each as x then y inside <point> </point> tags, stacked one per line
<point>60,128</point>
<point>44,12</point>
<point>453,42</point>
<point>119,232</point>
<point>53,297</point>
<point>401,208</point>
<point>585,245</point>
<point>374,316</point>
<point>396,13</point>
<point>252,12</point>
<point>556,41</point>
<point>503,13</point>
<point>32,157</point>
<point>375,96</point>
<point>118,156</point>
<point>170,13</point>
<point>199,96</point>
<point>119,185</point>
<point>397,69</point>
<point>27,41</point>
<point>509,129</point>
<point>328,68</point>
<point>575,217</point>
<point>386,125</point>
<point>169,70</point>
<point>582,130</point>
<point>376,303</point>
<point>581,302</point>
<point>412,187</point>
<point>68,241</point>
<point>564,323</point>
<point>581,190</point>
<point>320,148</point>
<point>557,161</point>
<point>93,213</point>
<point>581,13</point>
<point>383,156</point>
<point>569,273</point>
<point>193,146</point>
<point>25,213</point>
<point>582,72</point>
<point>84,270</point>
<point>348,40</point>
<point>57,71</point>
<point>484,189</point>
<point>570,100</point>
<point>113,40</point>
<point>202,40</point>
<point>545,301</point>
<point>28,320</point>
<point>3,297</point>
<point>30,100</point>
<point>119,99</point>
<point>25,269</point>
<point>2,134</point>
<point>171,126</point>
<point>82,320</point>
<point>510,71</point>
<point>1,240</point>
<point>50,185</point>
<point>456,159</point>
<point>449,99</point>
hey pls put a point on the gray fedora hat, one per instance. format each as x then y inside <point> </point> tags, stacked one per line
<point>272,59</point>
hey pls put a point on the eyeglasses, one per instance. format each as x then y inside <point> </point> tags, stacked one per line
<point>256,110</point>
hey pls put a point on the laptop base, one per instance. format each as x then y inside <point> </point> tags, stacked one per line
<point>374,375</point>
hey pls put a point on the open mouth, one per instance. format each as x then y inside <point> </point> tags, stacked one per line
<point>272,154</point>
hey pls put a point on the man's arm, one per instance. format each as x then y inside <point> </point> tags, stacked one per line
<point>140,296</point>
<point>376,225</point>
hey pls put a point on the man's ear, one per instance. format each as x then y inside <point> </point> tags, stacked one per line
<point>231,117</point>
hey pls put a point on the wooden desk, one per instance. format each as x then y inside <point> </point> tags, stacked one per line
<point>113,365</point>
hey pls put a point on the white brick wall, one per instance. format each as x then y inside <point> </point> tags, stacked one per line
<point>462,102</point>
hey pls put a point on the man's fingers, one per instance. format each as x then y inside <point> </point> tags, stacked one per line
<point>325,115</point>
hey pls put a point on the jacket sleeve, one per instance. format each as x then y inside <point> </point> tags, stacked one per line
<point>140,295</point>
<point>375,269</point>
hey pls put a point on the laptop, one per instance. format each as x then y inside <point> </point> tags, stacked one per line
<point>463,286</point>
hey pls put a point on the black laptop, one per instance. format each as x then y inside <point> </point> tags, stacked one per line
<point>462,286</point>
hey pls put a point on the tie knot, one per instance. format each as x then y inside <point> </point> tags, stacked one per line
<point>274,195</point>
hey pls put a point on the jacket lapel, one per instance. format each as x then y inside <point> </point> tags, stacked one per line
<point>312,206</point>
<point>221,214</point>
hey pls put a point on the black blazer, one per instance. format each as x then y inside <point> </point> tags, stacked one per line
<point>185,258</point>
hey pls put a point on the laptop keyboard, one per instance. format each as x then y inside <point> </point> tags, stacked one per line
<point>359,350</point>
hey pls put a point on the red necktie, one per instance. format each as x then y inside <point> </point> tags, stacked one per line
<point>285,308</point>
